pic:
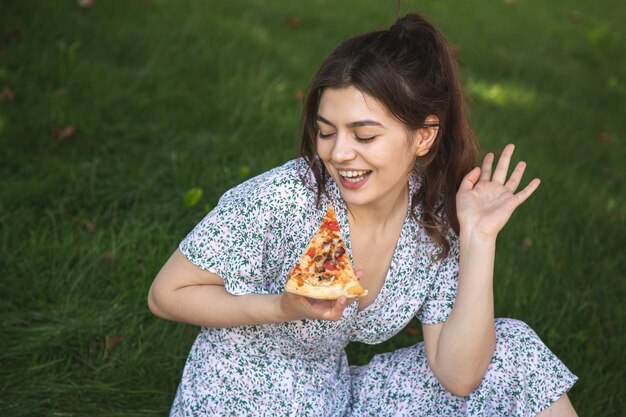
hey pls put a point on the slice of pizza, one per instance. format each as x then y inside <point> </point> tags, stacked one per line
<point>324,271</point>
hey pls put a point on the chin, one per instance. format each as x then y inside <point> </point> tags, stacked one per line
<point>355,202</point>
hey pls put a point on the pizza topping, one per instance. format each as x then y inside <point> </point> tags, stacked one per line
<point>332,226</point>
<point>322,279</point>
<point>325,265</point>
<point>328,266</point>
<point>322,267</point>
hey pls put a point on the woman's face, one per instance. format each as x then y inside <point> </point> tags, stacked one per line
<point>364,147</point>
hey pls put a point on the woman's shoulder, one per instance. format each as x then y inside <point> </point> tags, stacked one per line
<point>288,184</point>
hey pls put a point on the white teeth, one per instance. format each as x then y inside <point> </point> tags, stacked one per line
<point>352,174</point>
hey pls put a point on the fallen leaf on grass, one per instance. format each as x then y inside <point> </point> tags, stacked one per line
<point>294,21</point>
<point>617,217</point>
<point>574,16</point>
<point>60,92</point>
<point>110,342</point>
<point>84,3</point>
<point>609,172</point>
<point>553,335</point>
<point>107,258</point>
<point>581,336</point>
<point>557,264</point>
<point>612,82</point>
<point>244,172</point>
<point>605,137</point>
<point>62,134</point>
<point>90,227</point>
<point>7,95</point>
<point>192,196</point>
<point>12,34</point>
<point>527,243</point>
<point>299,94</point>
<point>412,331</point>
<point>610,204</point>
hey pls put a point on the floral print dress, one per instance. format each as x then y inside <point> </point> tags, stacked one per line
<point>253,237</point>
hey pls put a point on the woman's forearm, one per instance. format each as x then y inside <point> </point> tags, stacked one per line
<point>213,306</point>
<point>186,293</point>
<point>467,338</point>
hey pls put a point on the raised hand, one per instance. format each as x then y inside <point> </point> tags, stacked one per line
<point>485,202</point>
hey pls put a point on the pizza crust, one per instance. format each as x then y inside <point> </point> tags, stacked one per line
<point>329,292</point>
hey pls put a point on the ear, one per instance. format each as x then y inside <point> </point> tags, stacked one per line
<point>426,135</point>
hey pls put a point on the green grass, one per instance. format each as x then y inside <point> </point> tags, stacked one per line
<point>168,96</point>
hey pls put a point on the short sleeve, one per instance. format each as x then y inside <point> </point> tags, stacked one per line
<point>442,291</point>
<point>229,242</point>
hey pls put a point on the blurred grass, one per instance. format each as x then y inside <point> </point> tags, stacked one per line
<point>169,96</point>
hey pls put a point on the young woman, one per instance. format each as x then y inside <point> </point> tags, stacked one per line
<point>386,141</point>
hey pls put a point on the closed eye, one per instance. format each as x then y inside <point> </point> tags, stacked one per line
<point>324,136</point>
<point>364,139</point>
<point>360,139</point>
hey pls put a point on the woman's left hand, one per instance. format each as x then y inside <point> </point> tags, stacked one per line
<point>484,203</point>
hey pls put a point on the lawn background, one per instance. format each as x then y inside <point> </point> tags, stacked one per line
<point>167,97</point>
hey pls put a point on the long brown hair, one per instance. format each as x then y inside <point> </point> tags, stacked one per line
<point>411,70</point>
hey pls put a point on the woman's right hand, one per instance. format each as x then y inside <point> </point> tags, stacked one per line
<point>298,307</point>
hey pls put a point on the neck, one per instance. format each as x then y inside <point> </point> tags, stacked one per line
<point>383,212</point>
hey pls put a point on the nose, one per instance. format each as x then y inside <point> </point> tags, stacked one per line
<point>343,149</point>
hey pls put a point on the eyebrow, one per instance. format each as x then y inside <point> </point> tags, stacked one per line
<point>358,123</point>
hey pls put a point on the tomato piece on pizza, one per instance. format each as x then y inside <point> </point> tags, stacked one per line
<point>324,270</point>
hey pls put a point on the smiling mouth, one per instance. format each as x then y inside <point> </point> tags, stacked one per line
<point>354,176</point>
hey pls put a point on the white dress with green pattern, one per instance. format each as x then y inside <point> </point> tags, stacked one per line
<point>253,237</point>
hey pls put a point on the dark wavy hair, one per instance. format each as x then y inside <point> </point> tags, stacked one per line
<point>411,70</point>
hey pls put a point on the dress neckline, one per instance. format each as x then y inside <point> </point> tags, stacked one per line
<point>334,196</point>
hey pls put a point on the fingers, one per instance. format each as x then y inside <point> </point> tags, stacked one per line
<point>499,175</point>
<point>336,309</point>
<point>358,273</point>
<point>485,171</point>
<point>329,309</point>
<point>470,179</point>
<point>516,176</point>
<point>340,305</point>
<point>503,164</point>
<point>527,191</point>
